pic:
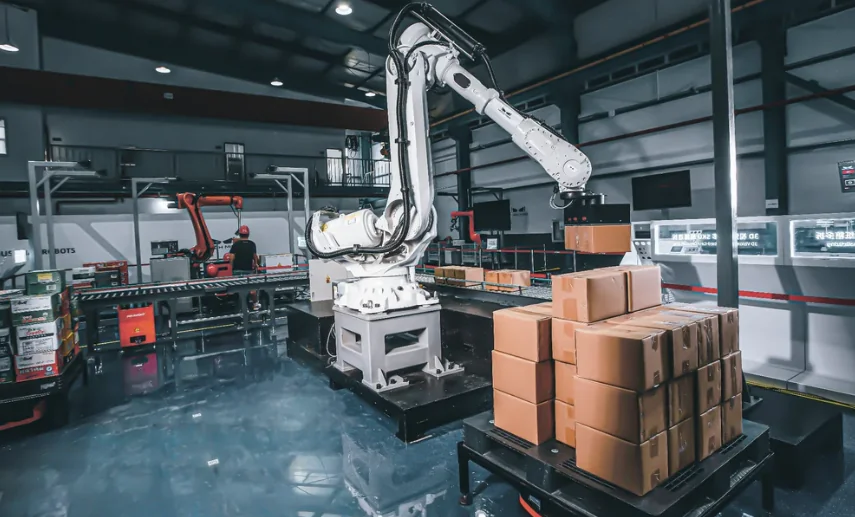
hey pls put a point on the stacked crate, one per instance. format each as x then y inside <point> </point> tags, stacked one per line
<point>510,279</point>
<point>461,276</point>
<point>7,352</point>
<point>44,339</point>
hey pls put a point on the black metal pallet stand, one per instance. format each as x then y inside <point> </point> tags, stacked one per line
<point>554,485</point>
<point>24,395</point>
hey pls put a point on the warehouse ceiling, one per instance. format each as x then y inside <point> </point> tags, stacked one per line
<point>305,44</point>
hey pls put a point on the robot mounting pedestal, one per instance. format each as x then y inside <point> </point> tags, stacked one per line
<point>361,344</point>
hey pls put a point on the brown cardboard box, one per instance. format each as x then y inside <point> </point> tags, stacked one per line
<point>522,333</point>
<point>526,380</point>
<point>709,433</point>
<point>636,468</point>
<point>681,399</point>
<point>731,419</point>
<point>709,349</point>
<point>532,422</point>
<point>466,276</point>
<point>538,308</point>
<point>608,238</point>
<point>708,387</point>
<point>731,376</point>
<point>507,277</point>
<point>439,275</point>
<point>644,287</point>
<point>564,339</point>
<point>570,237</point>
<point>589,295</point>
<point>681,338</point>
<point>565,382</point>
<point>565,423</point>
<point>623,413</point>
<point>681,446</point>
<point>728,323</point>
<point>628,357</point>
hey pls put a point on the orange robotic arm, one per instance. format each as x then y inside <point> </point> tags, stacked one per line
<point>204,247</point>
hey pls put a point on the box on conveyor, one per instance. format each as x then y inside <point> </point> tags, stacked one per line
<point>114,265</point>
<point>82,273</point>
<point>681,336</point>
<point>522,333</point>
<point>638,468</point>
<point>565,423</point>
<point>625,414</point>
<point>526,380</point>
<point>731,376</point>
<point>728,323</point>
<point>681,446</point>
<point>628,357</point>
<point>731,419</point>
<point>107,278</point>
<point>532,422</point>
<point>564,339</point>
<point>709,349</point>
<point>42,308</point>
<point>681,400</point>
<point>606,238</point>
<point>508,278</point>
<point>48,281</point>
<point>708,387</point>
<point>589,296</point>
<point>708,433</point>
<point>565,382</point>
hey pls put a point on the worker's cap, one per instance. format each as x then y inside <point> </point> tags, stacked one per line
<point>243,231</point>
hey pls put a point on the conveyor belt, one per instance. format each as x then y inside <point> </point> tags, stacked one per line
<point>543,292</point>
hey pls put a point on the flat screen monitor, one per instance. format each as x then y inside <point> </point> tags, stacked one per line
<point>660,191</point>
<point>492,216</point>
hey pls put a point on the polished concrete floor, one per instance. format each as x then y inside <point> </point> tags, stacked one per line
<point>278,442</point>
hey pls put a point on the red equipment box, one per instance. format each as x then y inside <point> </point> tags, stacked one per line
<point>136,325</point>
<point>142,374</point>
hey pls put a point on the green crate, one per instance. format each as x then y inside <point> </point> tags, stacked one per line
<point>47,281</point>
<point>36,309</point>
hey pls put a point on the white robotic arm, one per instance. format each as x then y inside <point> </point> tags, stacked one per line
<point>380,252</point>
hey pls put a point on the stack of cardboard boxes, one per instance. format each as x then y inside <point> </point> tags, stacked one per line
<point>640,390</point>
<point>507,278</point>
<point>463,276</point>
<point>7,353</point>
<point>44,339</point>
<point>460,276</point>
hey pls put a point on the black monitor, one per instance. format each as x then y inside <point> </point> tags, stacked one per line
<point>492,216</point>
<point>660,191</point>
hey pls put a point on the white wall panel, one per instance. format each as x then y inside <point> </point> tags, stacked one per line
<point>815,182</point>
<point>821,36</point>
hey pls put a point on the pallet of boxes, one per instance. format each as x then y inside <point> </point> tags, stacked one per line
<point>640,390</point>
<point>42,332</point>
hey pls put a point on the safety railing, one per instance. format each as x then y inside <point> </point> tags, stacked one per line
<point>130,162</point>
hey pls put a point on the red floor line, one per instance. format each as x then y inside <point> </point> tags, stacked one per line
<point>848,302</point>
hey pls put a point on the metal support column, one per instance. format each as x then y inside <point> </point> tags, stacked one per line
<point>35,217</point>
<point>290,175</point>
<point>724,145</point>
<point>462,136</point>
<point>135,195</point>
<point>569,102</point>
<point>773,47</point>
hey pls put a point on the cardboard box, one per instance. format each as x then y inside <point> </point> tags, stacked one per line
<point>532,422</point>
<point>628,357</point>
<point>607,238</point>
<point>681,400</point>
<point>709,349</point>
<point>636,468</point>
<point>508,278</point>
<point>644,287</point>
<point>708,387</point>
<point>44,282</point>
<point>589,296</point>
<point>38,345</point>
<point>620,412</point>
<point>728,324</point>
<point>38,366</point>
<point>5,314</point>
<point>564,339</point>
<point>37,330</point>
<point>731,376</point>
<point>526,380</point>
<point>565,423</point>
<point>565,374</point>
<point>681,446</point>
<point>681,339</point>
<point>36,309</point>
<point>6,342</point>
<point>461,276</point>
<point>731,419</point>
<point>522,333</point>
<point>570,237</point>
<point>544,308</point>
<point>709,433</point>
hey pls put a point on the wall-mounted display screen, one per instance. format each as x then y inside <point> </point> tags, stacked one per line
<point>661,191</point>
<point>757,239</point>
<point>823,237</point>
<point>492,216</point>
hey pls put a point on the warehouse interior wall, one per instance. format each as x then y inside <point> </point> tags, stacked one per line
<point>814,183</point>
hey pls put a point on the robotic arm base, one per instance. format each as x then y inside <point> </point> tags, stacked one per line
<point>585,196</point>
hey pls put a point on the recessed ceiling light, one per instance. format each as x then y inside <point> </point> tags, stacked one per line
<point>276,82</point>
<point>370,94</point>
<point>162,70</point>
<point>8,47</point>
<point>343,9</point>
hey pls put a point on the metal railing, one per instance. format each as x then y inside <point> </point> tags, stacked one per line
<point>130,162</point>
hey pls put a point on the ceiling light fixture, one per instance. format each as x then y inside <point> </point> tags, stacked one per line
<point>162,70</point>
<point>343,9</point>
<point>7,45</point>
<point>276,82</point>
<point>370,94</point>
